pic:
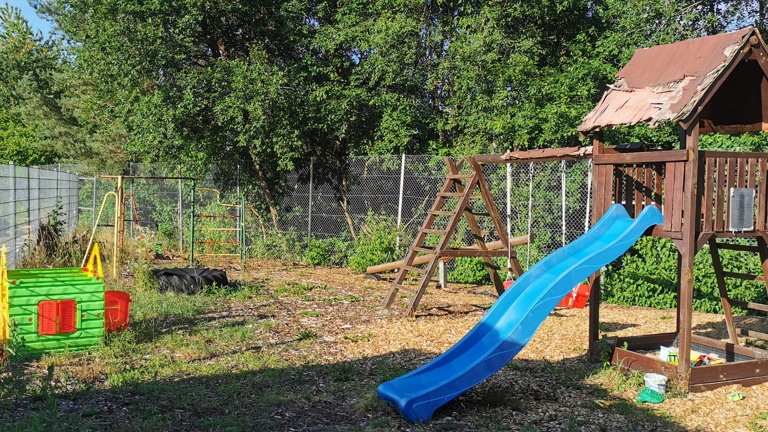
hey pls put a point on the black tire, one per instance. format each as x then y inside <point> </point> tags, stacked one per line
<point>188,280</point>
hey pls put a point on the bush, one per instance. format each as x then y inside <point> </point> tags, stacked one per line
<point>647,275</point>
<point>376,244</point>
<point>469,271</point>
<point>328,252</point>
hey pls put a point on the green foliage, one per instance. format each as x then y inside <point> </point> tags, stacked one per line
<point>376,244</point>
<point>647,274</point>
<point>469,271</point>
<point>328,252</point>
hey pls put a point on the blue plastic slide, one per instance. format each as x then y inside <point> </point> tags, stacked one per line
<point>513,319</point>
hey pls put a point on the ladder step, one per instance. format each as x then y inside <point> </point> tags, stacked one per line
<point>406,289</point>
<point>458,176</point>
<point>430,251</point>
<point>413,269</point>
<point>441,212</point>
<point>450,194</point>
<point>478,213</point>
<point>475,196</point>
<point>432,231</point>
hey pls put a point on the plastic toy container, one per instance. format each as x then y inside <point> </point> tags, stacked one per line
<point>656,382</point>
<point>116,308</point>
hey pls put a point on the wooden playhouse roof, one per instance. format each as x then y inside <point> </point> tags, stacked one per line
<point>676,82</point>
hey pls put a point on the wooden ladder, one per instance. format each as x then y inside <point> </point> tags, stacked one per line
<point>720,274</point>
<point>460,189</point>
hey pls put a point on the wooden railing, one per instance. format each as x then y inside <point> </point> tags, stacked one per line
<point>726,170</point>
<point>641,179</point>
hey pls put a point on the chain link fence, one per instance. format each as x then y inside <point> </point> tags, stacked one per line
<point>32,197</point>
<point>548,200</point>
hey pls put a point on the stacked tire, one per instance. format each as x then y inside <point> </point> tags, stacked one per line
<point>188,280</point>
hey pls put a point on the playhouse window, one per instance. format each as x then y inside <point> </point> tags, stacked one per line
<point>56,317</point>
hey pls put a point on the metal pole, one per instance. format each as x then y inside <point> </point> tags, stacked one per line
<point>181,217</point>
<point>311,185</point>
<point>13,211</point>
<point>242,229</point>
<point>530,212</point>
<point>93,205</point>
<point>400,201</point>
<point>117,230</point>
<point>589,196</point>
<point>562,195</point>
<point>192,226</point>
<point>29,210</point>
<point>509,218</point>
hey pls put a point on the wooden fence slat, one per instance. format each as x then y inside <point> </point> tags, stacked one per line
<point>751,173</point>
<point>730,180</point>
<point>657,183</point>
<point>762,184</point>
<point>669,195</point>
<point>709,187</point>
<point>639,188</point>
<point>719,195</point>
<point>677,216</point>
<point>741,171</point>
<point>628,186</point>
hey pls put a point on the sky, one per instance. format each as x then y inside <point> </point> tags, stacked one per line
<point>28,12</point>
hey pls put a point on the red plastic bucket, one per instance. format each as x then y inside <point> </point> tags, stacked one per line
<point>116,306</point>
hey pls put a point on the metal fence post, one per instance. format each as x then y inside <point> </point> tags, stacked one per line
<point>589,196</point>
<point>29,210</point>
<point>181,217</point>
<point>93,203</point>
<point>562,196</point>
<point>311,186</point>
<point>400,201</point>
<point>13,210</point>
<point>508,168</point>
<point>530,212</point>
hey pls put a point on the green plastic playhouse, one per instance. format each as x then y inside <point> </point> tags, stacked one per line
<point>59,309</point>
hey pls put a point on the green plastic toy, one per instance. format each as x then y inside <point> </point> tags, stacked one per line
<point>55,309</point>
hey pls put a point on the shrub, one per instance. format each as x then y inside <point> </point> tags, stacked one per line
<point>647,275</point>
<point>469,271</point>
<point>376,244</point>
<point>328,252</point>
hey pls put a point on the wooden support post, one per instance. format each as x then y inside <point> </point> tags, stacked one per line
<point>720,277</point>
<point>689,139</point>
<point>600,188</point>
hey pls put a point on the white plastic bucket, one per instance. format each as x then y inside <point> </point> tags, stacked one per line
<point>656,382</point>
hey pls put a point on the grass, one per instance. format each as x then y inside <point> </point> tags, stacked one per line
<point>257,356</point>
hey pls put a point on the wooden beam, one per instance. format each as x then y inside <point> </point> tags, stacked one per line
<point>541,155</point>
<point>630,360</point>
<point>728,347</point>
<point>691,215</point>
<point>717,264</point>
<point>640,158</point>
<point>647,342</point>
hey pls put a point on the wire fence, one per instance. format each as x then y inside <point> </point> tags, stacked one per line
<point>31,197</point>
<point>548,200</point>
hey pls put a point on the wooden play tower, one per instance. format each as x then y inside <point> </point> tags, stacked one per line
<point>711,84</point>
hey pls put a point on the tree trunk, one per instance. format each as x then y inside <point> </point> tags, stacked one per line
<point>344,203</point>
<point>267,191</point>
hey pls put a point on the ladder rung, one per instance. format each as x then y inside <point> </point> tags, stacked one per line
<point>406,289</point>
<point>743,276</point>
<point>478,213</point>
<point>458,176</point>
<point>488,233</point>
<point>413,269</point>
<point>432,231</point>
<point>450,194</point>
<point>441,212</point>
<point>475,196</point>
<point>430,251</point>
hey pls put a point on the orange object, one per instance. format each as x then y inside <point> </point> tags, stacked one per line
<point>507,284</point>
<point>577,298</point>
<point>56,317</point>
<point>116,307</point>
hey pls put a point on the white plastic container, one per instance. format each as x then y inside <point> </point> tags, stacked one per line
<point>656,382</point>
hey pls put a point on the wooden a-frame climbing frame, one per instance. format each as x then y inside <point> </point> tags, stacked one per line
<point>456,199</point>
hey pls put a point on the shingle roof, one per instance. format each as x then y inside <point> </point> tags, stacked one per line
<point>665,82</point>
